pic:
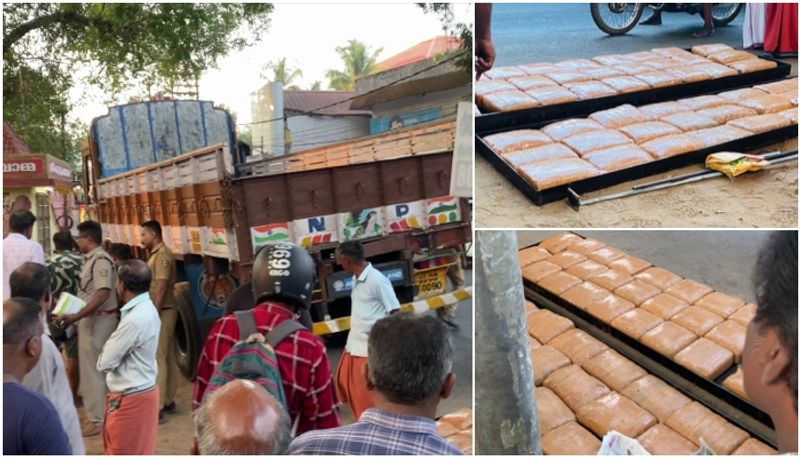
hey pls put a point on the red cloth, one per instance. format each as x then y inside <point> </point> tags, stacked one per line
<point>302,360</point>
<point>352,386</point>
<point>781,29</point>
<point>132,428</point>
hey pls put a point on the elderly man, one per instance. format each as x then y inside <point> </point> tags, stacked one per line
<point>96,321</point>
<point>408,385</point>
<point>30,423</point>
<point>129,361</point>
<point>18,247</point>
<point>48,377</point>
<point>372,298</point>
<point>241,418</point>
<point>769,358</point>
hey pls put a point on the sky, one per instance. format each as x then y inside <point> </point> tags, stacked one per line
<point>307,35</point>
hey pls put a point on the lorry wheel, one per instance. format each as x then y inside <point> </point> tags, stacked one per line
<point>187,331</point>
<point>405,294</point>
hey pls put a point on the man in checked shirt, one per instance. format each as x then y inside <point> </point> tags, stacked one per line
<point>283,280</point>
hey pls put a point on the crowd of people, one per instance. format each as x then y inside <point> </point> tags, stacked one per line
<point>264,384</point>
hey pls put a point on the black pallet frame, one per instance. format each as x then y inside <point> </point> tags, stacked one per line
<point>711,394</point>
<point>498,122</point>
<point>538,118</point>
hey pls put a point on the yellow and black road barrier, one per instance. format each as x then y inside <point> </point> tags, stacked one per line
<point>343,323</point>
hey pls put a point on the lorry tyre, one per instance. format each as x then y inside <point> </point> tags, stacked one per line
<point>405,294</point>
<point>187,331</point>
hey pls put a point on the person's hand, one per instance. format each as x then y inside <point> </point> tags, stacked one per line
<point>484,56</point>
<point>67,320</point>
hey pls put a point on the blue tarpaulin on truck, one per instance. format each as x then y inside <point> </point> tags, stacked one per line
<point>139,134</point>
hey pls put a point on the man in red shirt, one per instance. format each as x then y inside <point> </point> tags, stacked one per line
<point>283,280</point>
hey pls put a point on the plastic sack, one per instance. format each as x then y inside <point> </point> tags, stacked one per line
<point>735,163</point>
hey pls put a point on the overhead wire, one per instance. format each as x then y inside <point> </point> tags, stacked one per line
<point>330,105</point>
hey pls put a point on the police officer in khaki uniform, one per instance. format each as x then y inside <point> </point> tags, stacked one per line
<point>96,321</point>
<point>162,267</point>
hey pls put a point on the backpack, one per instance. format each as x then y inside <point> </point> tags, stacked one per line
<point>253,358</point>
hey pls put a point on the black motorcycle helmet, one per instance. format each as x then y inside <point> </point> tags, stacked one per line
<point>283,272</point>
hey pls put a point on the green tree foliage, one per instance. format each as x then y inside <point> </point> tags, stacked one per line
<point>126,46</point>
<point>359,60</point>
<point>316,85</point>
<point>451,28</point>
<point>282,72</point>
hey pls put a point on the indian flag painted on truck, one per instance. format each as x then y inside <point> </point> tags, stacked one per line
<point>269,234</point>
<point>365,223</point>
<point>443,210</point>
<point>219,242</point>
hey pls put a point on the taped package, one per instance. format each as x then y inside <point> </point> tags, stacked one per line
<point>735,163</point>
<point>615,443</point>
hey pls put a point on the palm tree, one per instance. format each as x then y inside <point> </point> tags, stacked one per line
<point>282,72</point>
<point>316,86</point>
<point>358,60</point>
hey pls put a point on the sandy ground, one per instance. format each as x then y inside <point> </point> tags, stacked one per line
<point>763,199</point>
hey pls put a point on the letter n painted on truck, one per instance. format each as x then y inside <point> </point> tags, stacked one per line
<point>315,230</point>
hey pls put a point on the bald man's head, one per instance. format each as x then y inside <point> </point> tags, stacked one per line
<point>135,275</point>
<point>241,418</point>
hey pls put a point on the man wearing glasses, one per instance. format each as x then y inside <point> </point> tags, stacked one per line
<point>96,321</point>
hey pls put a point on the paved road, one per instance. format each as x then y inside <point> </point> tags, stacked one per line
<point>175,436</point>
<point>722,259</point>
<point>526,33</point>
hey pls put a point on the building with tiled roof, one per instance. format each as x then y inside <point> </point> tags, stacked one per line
<point>422,51</point>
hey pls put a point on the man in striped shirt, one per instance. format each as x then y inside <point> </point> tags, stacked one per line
<point>407,384</point>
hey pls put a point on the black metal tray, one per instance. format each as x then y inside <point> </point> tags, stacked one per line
<point>712,394</point>
<point>541,197</point>
<point>497,122</point>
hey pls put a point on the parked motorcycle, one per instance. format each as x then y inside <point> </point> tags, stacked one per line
<point>619,18</point>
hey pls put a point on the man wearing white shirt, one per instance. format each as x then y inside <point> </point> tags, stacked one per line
<point>18,247</point>
<point>372,299</point>
<point>129,361</point>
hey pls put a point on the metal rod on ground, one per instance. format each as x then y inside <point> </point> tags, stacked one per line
<point>768,156</point>
<point>506,416</point>
<point>666,184</point>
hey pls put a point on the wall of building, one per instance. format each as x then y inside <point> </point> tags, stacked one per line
<point>310,132</point>
<point>10,195</point>
<point>417,109</point>
<point>266,104</point>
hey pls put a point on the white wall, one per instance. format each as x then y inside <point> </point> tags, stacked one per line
<point>310,132</point>
<point>267,104</point>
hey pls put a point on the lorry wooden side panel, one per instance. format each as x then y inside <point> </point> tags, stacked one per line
<point>265,199</point>
<point>402,180</point>
<point>436,174</point>
<point>310,194</point>
<point>357,187</point>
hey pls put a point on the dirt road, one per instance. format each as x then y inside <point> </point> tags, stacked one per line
<point>175,436</point>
